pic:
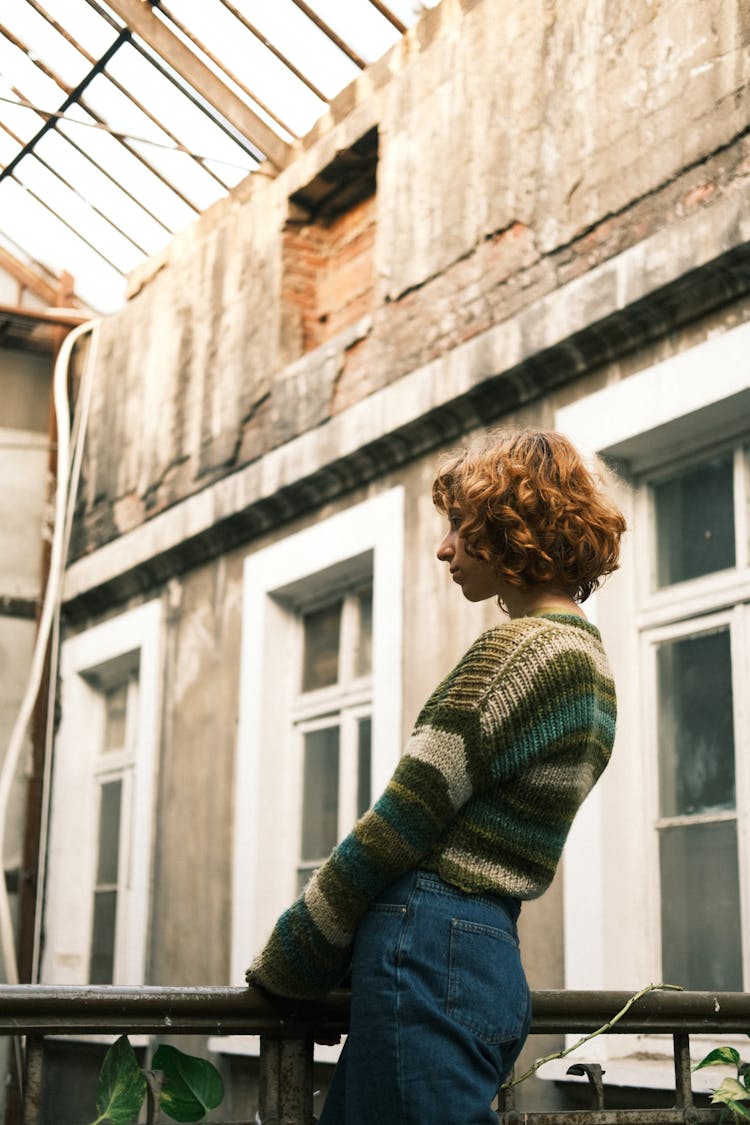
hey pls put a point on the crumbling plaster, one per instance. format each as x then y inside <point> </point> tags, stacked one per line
<point>521,142</point>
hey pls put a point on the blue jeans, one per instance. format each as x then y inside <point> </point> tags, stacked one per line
<point>440,1008</point>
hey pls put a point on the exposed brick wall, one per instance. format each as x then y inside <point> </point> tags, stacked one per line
<point>327,282</point>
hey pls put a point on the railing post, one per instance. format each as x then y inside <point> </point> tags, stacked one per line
<point>682,1084</point>
<point>286,1081</point>
<point>32,1082</point>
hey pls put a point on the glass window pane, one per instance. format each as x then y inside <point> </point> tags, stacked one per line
<point>109,833</point>
<point>700,912</point>
<point>320,794</point>
<point>364,760</point>
<point>101,968</point>
<point>320,666</point>
<point>304,875</point>
<point>695,521</point>
<point>115,707</point>
<point>696,730</point>
<point>363,661</point>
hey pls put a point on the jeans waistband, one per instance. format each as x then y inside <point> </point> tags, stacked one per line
<point>512,906</point>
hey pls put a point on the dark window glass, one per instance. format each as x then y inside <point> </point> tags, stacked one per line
<point>696,729</point>
<point>320,665</point>
<point>700,907</point>
<point>115,713</point>
<point>363,662</point>
<point>320,795</point>
<point>695,521</point>
<point>101,969</point>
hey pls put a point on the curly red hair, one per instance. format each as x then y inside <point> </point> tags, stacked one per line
<point>532,507</point>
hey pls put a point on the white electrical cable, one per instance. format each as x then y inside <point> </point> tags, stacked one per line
<point>49,609</point>
<point>80,424</point>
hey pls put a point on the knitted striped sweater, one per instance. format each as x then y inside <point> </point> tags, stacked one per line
<point>500,759</point>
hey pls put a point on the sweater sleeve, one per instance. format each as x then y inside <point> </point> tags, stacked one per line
<point>309,950</point>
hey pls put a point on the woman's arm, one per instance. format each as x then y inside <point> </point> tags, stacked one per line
<point>309,949</point>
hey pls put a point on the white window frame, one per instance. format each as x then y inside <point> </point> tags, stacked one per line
<point>366,539</point>
<point>657,416</point>
<point>113,647</point>
<point>736,620</point>
<point>119,764</point>
<point>341,705</point>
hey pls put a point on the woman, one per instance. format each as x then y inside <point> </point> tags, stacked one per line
<point>422,898</point>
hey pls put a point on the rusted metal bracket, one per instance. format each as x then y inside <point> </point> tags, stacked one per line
<point>594,1073</point>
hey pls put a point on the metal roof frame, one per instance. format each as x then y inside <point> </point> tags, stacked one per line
<point>252,128</point>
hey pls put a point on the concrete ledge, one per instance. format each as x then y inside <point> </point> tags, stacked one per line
<point>693,267</point>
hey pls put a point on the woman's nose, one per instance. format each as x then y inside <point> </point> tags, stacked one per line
<point>445,549</point>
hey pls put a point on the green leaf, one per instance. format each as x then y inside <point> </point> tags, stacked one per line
<point>721,1056</point>
<point>191,1086</point>
<point>739,1111</point>
<point>730,1091</point>
<point>122,1085</point>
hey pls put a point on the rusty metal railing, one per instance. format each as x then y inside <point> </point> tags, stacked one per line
<point>287,1032</point>
<point>675,1013</point>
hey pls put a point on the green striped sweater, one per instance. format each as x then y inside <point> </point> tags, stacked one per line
<point>500,759</point>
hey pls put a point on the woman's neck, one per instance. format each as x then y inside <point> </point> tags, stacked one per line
<point>538,599</point>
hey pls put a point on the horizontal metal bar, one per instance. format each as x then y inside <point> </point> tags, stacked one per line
<point>658,1012</point>
<point>691,1116</point>
<point>215,1011</point>
<point>219,1011</point>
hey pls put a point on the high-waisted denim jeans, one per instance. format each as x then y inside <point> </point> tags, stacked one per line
<point>440,1008</point>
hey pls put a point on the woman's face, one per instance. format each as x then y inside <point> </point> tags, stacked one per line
<point>476,577</point>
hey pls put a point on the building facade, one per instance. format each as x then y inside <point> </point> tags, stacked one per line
<point>525,214</point>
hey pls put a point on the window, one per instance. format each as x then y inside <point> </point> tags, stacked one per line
<point>320,702</point>
<point>113,772</point>
<point>657,866</point>
<point>695,657</point>
<point>96,900</point>
<point>332,716</point>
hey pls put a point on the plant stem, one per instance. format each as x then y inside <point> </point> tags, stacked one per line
<point>153,1097</point>
<point>593,1034</point>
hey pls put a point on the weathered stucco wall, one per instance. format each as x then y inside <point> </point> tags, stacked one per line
<point>520,144</point>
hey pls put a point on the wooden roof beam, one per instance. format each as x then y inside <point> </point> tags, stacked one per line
<point>27,277</point>
<point>69,318</point>
<point>140,19</point>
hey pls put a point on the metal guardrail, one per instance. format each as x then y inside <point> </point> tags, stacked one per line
<point>287,1032</point>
